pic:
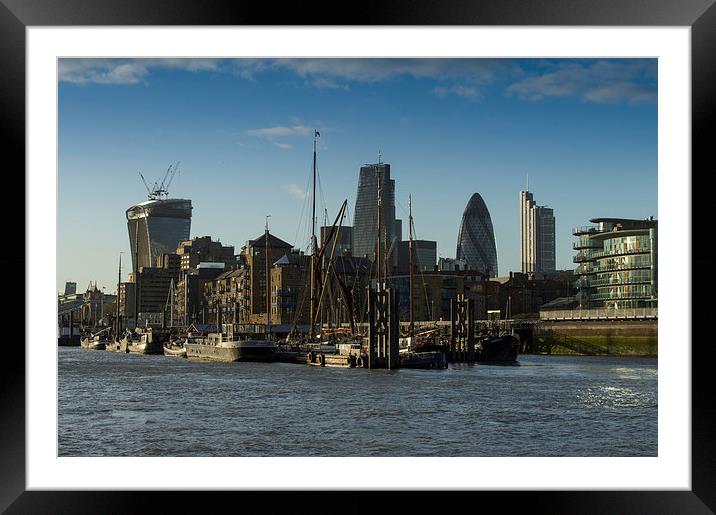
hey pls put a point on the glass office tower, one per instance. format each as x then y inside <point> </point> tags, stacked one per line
<point>476,239</point>
<point>537,235</point>
<point>366,212</point>
<point>158,226</point>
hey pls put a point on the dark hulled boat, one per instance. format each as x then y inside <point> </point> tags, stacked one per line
<point>499,350</point>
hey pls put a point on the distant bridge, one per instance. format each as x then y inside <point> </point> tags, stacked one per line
<point>70,306</point>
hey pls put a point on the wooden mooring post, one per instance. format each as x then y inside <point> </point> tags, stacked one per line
<point>383,328</point>
<point>462,329</point>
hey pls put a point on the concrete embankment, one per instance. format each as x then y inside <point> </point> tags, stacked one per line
<point>604,337</point>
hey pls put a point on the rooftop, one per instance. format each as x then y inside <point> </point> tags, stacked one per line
<point>273,241</point>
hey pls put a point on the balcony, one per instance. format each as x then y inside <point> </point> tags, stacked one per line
<point>620,296</point>
<point>586,229</point>
<point>601,314</point>
<point>622,252</point>
<point>599,283</point>
<point>612,268</point>
<point>581,258</point>
<point>587,245</point>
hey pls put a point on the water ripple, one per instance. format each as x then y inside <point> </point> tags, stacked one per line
<point>124,405</point>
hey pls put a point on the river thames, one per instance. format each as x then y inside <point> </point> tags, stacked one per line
<point>113,404</point>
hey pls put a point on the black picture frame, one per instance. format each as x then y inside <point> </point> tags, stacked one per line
<point>16,15</point>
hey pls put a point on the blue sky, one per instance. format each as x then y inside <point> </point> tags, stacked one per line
<point>585,130</point>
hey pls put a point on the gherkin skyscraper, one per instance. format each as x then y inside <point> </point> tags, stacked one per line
<point>476,239</point>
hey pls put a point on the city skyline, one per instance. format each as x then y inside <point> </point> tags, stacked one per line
<point>449,128</point>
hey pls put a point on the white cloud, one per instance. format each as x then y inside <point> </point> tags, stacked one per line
<point>125,71</point>
<point>320,73</point>
<point>280,132</point>
<point>373,70</point>
<point>468,92</point>
<point>622,80</point>
<point>326,83</point>
<point>601,81</point>
<point>101,71</point>
<point>296,191</point>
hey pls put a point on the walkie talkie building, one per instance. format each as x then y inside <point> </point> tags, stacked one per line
<point>158,226</point>
<point>476,239</point>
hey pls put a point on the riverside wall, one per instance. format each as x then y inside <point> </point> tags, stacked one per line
<point>604,337</point>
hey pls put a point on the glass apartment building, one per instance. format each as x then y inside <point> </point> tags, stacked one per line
<point>617,263</point>
<point>476,239</point>
<point>158,226</point>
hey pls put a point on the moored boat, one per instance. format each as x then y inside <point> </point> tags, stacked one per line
<point>224,347</point>
<point>146,342</point>
<point>426,360</point>
<point>175,348</point>
<point>113,345</point>
<point>93,343</point>
<point>498,350</point>
<point>97,341</point>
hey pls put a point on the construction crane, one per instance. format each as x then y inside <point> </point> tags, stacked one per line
<point>171,177</point>
<point>149,191</point>
<point>158,191</point>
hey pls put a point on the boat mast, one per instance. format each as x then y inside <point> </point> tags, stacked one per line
<point>119,283</point>
<point>136,275</point>
<point>378,255</point>
<point>171,304</point>
<point>312,333</point>
<point>268,277</point>
<point>410,259</point>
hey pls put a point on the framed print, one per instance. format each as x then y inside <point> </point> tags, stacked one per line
<point>601,109</point>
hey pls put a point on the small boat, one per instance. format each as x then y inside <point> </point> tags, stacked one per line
<point>145,342</point>
<point>224,347</point>
<point>175,348</point>
<point>498,350</point>
<point>96,341</point>
<point>93,343</point>
<point>426,360</point>
<point>113,346</point>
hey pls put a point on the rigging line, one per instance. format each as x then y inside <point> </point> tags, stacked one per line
<point>402,208</point>
<point>422,278</point>
<point>364,305</point>
<point>303,210</point>
<point>331,257</point>
<point>320,189</point>
<point>299,311</point>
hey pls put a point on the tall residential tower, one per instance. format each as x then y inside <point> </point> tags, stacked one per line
<point>537,235</point>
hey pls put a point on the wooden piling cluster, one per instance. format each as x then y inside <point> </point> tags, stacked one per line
<point>383,328</point>
<point>462,329</point>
